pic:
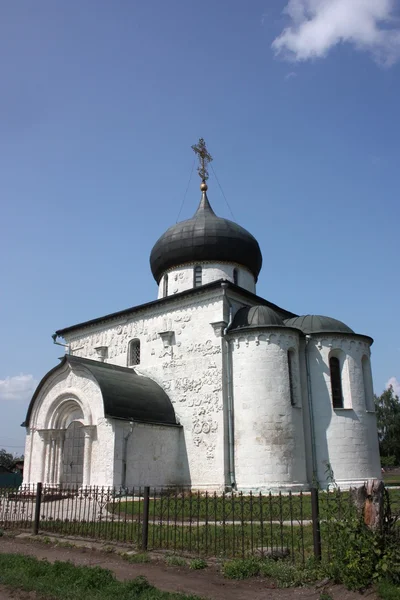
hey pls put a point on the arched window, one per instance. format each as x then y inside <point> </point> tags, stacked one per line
<point>367,381</point>
<point>165,283</point>
<point>336,382</point>
<point>197,276</point>
<point>235,276</point>
<point>134,353</point>
<point>291,367</point>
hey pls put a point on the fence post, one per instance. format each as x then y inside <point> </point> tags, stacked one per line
<point>145,527</point>
<point>315,523</point>
<point>38,502</point>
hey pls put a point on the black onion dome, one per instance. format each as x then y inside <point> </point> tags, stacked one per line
<point>318,324</point>
<point>205,237</point>
<point>256,316</point>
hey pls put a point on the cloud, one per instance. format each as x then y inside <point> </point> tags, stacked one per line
<point>19,388</point>
<point>290,75</point>
<point>395,383</point>
<point>318,25</point>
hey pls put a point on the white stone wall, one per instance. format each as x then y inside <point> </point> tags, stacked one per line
<point>154,455</point>
<point>346,438</point>
<point>268,430</point>
<point>182,278</point>
<point>187,365</point>
<point>69,394</point>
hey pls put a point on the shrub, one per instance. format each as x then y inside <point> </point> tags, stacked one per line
<point>388,461</point>
<point>241,568</point>
<point>197,563</point>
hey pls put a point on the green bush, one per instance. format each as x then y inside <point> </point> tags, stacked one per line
<point>360,556</point>
<point>197,563</point>
<point>241,568</point>
<point>388,461</point>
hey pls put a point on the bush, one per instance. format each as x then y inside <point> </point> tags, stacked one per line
<point>241,568</point>
<point>388,461</point>
<point>197,563</point>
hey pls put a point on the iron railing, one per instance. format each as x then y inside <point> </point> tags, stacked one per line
<point>296,526</point>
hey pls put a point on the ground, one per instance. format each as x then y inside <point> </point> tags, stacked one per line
<point>208,583</point>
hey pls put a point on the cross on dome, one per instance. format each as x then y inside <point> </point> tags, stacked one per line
<point>204,159</point>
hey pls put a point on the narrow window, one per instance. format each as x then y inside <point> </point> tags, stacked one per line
<point>336,382</point>
<point>367,381</point>
<point>290,361</point>
<point>134,353</point>
<point>197,276</point>
<point>165,285</point>
<point>235,276</point>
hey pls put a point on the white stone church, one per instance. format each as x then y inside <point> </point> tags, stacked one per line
<point>209,386</point>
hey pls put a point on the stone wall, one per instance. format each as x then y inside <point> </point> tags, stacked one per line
<point>268,429</point>
<point>346,438</point>
<point>182,278</point>
<point>155,455</point>
<point>186,361</point>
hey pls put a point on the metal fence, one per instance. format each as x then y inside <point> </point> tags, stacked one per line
<point>178,520</point>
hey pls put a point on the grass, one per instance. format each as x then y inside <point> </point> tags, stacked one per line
<point>175,561</point>
<point>388,591</point>
<point>391,478</point>
<point>65,581</point>
<point>197,563</point>
<point>219,540</point>
<point>210,508</point>
<point>140,557</point>
<point>283,572</point>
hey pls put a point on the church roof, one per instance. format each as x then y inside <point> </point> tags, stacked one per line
<point>205,237</point>
<point>257,316</point>
<point>318,324</point>
<point>173,299</point>
<point>126,395</point>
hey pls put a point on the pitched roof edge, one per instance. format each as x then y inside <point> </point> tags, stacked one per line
<point>170,299</point>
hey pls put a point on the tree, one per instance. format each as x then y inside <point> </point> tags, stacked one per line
<point>387,407</point>
<point>7,460</point>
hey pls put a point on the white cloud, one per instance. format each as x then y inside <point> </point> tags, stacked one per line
<point>395,383</point>
<point>19,388</point>
<point>290,75</point>
<point>318,25</point>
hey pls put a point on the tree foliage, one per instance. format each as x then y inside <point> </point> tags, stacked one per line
<point>7,459</point>
<point>387,407</point>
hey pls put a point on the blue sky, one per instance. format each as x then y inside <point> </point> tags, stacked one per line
<point>100,102</point>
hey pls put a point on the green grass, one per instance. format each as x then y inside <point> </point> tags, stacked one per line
<point>199,507</point>
<point>204,540</point>
<point>65,581</point>
<point>175,561</point>
<point>388,591</point>
<point>140,557</point>
<point>283,572</point>
<point>391,478</point>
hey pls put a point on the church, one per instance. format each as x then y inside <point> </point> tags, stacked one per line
<point>208,386</point>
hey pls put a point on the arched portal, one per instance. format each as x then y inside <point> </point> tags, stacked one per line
<point>73,454</point>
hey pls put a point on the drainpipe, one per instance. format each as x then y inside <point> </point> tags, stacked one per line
<point>229,385</point>
<point>124,454</point>
<point>311,412</point>
<point>54,338</point>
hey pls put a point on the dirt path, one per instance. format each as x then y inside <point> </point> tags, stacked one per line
<point>208,583</point>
